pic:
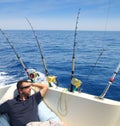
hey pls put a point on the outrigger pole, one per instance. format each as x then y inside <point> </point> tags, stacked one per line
<point>74,47</point>
<point>111,80</point>
<point>42,57</point>
<point>18,57</point>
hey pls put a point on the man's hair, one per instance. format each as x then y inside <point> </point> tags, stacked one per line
<point>19,84</point>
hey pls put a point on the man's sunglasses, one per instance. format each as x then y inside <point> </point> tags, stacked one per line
<point>25,87</point>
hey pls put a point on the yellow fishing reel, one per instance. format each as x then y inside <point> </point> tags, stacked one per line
<point>52,80</point>
<point>76,82</point>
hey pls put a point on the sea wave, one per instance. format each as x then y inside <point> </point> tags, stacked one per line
<point>5,78</point>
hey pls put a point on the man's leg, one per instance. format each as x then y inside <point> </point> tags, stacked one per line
<point>38,124</point>
<point>46,123</point>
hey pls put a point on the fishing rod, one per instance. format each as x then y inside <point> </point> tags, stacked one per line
<point>51,79</point>
<point>111,80</point>
<point>74,81</point>
<point>18,57</point>
<point>31,73</point>
<point>36,38</point>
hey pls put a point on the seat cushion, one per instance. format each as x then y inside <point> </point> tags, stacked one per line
<point>45,113</point>
<point>4,120</point>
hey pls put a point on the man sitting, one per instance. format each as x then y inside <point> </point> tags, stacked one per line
<point>23,110</point>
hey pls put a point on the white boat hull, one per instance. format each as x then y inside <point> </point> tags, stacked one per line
<point>80,109</point>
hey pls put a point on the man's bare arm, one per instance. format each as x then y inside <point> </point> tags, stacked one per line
<point>43,88</point>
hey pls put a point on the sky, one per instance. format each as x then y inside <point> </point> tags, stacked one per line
<point>60,14</point>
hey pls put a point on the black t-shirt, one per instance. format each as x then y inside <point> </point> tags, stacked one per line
<point>22,112</point>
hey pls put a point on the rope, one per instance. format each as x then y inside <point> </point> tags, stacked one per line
<point>63,103</point>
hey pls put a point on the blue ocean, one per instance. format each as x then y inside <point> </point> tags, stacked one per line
<point>97,55</point>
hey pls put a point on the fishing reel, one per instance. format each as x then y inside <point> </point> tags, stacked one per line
<point>36,76</point>
<point>76,83</point>
<point>32,74</point>
<point>52,80</point>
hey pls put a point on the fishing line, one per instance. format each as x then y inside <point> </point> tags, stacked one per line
<point>18,57</point>
<point>102,50</point>
<point>93,67</point>
<point>74,49</point>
